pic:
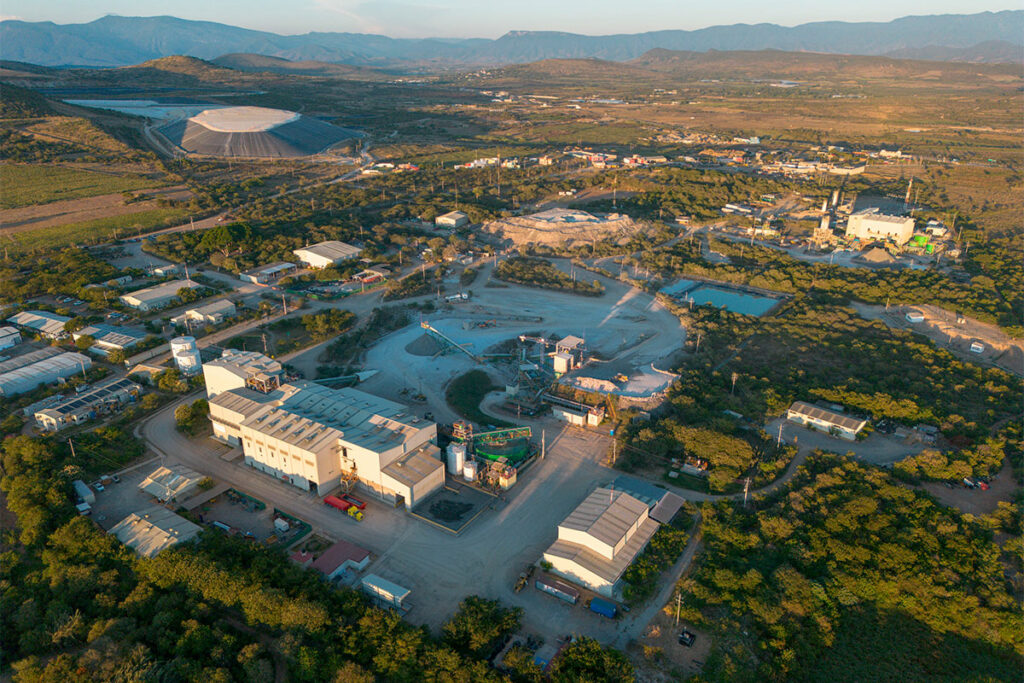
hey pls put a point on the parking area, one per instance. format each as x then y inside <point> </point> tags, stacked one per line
<point>877,449</point>
<point>247,517</point>
<point>118,500</point>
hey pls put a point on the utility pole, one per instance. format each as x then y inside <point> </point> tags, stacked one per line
<point>778,444</point>
<point>746,490</point>
<point>679,602</point>
<point>543,444</point>
<point>72,445</point>
<point>697,350</point>
<point>284,304</point>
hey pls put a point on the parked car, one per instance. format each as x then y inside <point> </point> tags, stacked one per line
<point>687,638</point>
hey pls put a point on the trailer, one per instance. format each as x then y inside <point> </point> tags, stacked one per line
<point>603,607</point>
<point>345,506</point>
<point>83,491</point>
<point>560,590</point>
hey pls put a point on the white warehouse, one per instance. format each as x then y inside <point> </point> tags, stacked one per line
<point>869,225</point>
<point>327,254</point>
<point>23,379</point>
<point>159,296</point>
<point>600,539</point>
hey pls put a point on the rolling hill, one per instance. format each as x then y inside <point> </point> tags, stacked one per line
<point>119,41</point>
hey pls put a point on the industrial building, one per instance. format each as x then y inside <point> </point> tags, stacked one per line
<point>102,399</point>
<point>269,273</point>
<point>254,132</point>
<point>49,325</point>
<point>213,313</point>
<point>109,338</point>
<point>318,438</point>
<point>241,369</point>
<point>452,219</point>
<point>600,539</point>
<point>9,337</point>
<point>157,297</point>
<point>174,483</point>
<point>327,254</point>
<point>185,352</point>
<point>28,376</point>
<point>164,271</point>
<point>870,225</point>
<point>151,531</point>
<point>824,420</point>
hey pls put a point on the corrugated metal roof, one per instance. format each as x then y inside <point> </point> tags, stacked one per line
<point>838,419</point>
<point>153,530</point>
<point>332,250</point>
<point>382,585</point>
<point>606,515</point>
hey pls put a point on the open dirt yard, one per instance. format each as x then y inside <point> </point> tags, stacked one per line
<point>629,329</point>
<point>85,209</point>
<point>941,326</point>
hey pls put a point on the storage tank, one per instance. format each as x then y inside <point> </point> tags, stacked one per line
<point>186,355</point>
<point>469,471</point>
<point>456,458</point>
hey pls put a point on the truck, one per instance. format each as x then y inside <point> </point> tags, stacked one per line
<point>603,607</point>
<point>353,501</point>
<point>84,492</point>
<point>345,506</point>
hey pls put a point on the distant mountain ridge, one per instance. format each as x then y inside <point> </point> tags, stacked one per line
<point>120,41</point>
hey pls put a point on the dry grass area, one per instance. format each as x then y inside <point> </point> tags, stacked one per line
<point>658,656</point>
<point>86,209</point>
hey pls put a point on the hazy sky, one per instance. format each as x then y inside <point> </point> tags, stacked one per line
<point>490,18</point>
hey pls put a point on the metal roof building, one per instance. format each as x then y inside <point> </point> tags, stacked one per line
<point>171,483</point>
<point>813,417</point>
<point>268,273</point>
<point>599,540</point>
<point>158,296</point>
<point>102,398</point>
<point>212,313</point>
<point>325,254</point>
<point>9,337</point>
<point>110,337</point>
<point>28,377</point>
<point>150,531</point>
<point>47,324</point>
<point>387,592</point>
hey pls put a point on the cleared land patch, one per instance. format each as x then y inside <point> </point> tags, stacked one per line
<point>26,185</point>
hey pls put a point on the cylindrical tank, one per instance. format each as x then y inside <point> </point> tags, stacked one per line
<point>456,458</point>
<point>185,352</point>
<point>469,471</point>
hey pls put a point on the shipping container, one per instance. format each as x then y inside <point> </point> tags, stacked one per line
<point>560,590</point>
<point>336,502</point>
<point>84,492</point>
<point>604,608</point>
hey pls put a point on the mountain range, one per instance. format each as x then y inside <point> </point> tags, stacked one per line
<point>120,41</point>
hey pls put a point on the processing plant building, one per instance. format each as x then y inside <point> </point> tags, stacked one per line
<point>254,132</point>
<point>600,539</point>
<point>47,324</point>
<point>318,438</point>
<point>869,225</point>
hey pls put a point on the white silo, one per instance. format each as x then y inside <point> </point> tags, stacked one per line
<point>456,458</point>
<point>185,352</point>
<point>469,471</point>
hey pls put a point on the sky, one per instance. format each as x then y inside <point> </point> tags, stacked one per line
<point>490,18</point>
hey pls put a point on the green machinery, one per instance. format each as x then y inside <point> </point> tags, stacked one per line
<point>513,444</point>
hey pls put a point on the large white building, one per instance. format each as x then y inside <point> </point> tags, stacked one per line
<point>452,219</point>
<point>600,539</point>
<point>837,424</point>
<point>109,338</point>
<point>326,254</point>
<point>158,296</point>
<point>314,437</point>
<point>870,225</point>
